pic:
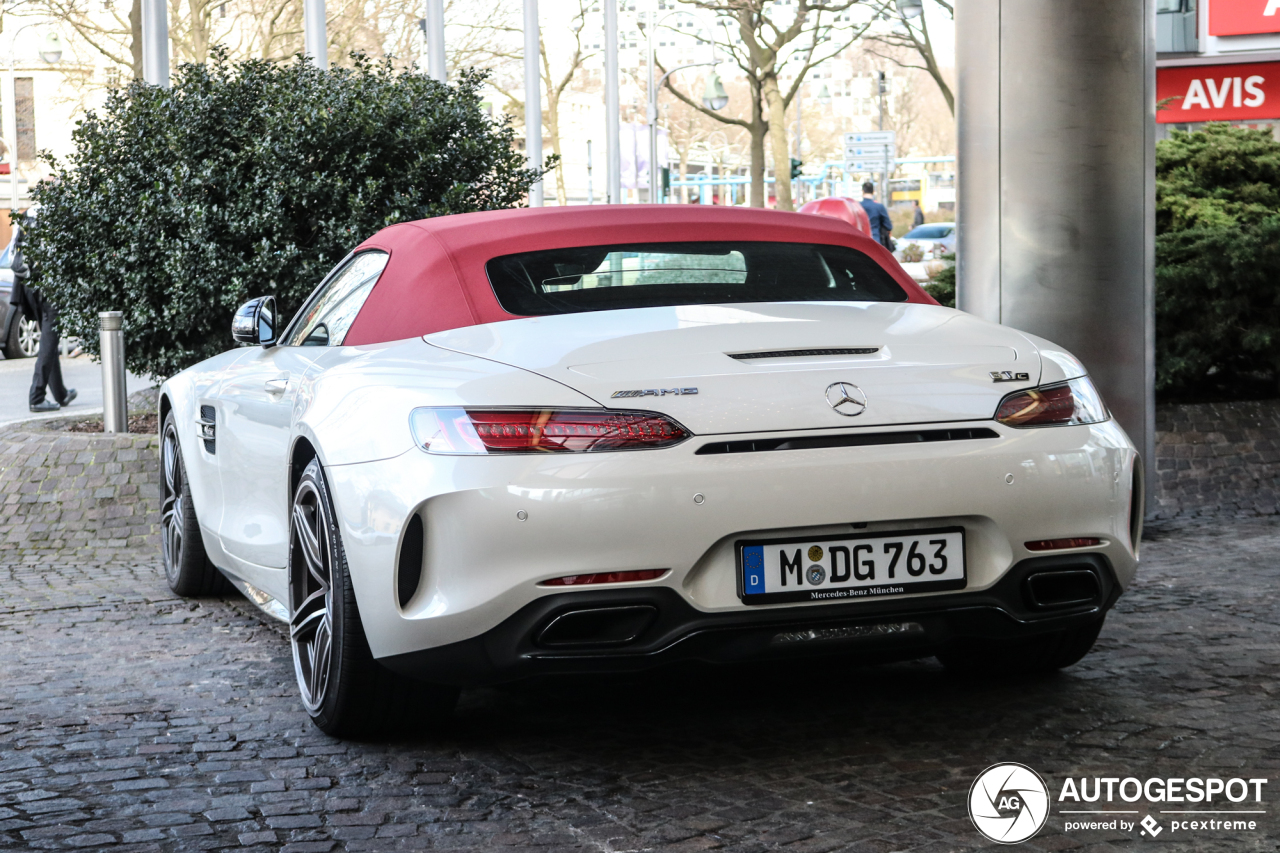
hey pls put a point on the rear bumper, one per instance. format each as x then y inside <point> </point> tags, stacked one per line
<point>497,528</point>
<point>631,629</point>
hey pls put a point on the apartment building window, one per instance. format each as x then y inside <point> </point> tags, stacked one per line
<point>25,115</point>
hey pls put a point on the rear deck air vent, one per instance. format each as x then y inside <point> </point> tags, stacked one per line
<point>866,439</point>
<point>803,353</point>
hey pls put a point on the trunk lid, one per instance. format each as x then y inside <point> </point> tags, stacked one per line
<point>767,367</point>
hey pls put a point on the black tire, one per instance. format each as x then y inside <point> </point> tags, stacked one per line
<point>1040,654</point>
<point>18,329</point>
<point>345,691</point>
<point>186,566</point>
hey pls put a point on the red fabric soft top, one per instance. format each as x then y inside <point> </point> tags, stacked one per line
<point>435,278</point>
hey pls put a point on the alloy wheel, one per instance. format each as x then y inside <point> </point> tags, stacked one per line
<point>28,337</point>
<point>172,505</point>
<point>311,591</point>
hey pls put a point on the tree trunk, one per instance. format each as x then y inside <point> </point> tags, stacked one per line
<point>758,196</point>
<point>778,137</point>
<point>135,42</point>
<point>201,23</point>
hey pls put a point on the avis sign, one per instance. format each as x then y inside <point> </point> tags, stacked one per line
<point>1240,92</point>
<point>1243,17</point>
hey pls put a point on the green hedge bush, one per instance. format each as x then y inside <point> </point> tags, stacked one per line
<point>1217,264</point>
<point>247,179</point>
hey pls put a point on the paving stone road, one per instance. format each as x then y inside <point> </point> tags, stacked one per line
<point>130,720</point>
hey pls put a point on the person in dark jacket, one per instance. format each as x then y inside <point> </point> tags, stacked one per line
<point>881,225</point>
<point>917,215</point>
<point>35,308</point>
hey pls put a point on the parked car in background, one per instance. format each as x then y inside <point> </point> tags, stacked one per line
<point>934,239</point>
<point>19,337</point>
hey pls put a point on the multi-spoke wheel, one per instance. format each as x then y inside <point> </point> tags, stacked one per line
<point>346,692</point>
<point>24,337</point>
<point>186,566</point>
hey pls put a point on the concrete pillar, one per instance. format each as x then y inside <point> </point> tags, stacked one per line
<point>155,42</point>
<point>1056,204</point>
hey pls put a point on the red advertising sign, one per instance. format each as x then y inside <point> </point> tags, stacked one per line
<point>1241,92</point>
<point>1242,17</point>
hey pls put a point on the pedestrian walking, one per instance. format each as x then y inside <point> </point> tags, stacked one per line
<point>917,216</point>
<point>881,224</point>
<point>35,308</point>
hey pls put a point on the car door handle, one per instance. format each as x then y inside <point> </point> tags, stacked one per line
<point>278,385</point>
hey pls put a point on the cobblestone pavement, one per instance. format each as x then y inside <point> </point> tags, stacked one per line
<point>130,720</point>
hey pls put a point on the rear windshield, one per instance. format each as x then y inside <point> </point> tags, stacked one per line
<point>599,278</point>
<point>929,232</point>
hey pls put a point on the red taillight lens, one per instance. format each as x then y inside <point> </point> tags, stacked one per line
<point>1072,402</point>
<point>479,431</point>
<point>1059,544</point>
<point>606,577</point>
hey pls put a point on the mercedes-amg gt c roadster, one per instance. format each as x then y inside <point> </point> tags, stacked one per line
<point>591,439</point>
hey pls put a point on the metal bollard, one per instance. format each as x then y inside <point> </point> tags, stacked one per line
<point>115,408</point>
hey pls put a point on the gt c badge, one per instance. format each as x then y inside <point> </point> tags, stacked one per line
<point>1008,376</point>
<point>654,392</point>
<point>846,398</point>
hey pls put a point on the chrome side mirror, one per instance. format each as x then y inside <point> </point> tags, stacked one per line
<point>255,322</point>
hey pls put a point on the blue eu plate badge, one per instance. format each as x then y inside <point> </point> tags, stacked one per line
<point>753,569</point>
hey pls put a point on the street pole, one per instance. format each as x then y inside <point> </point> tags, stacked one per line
<point>155,42</point>
<point>653,118</point>
<point>435,40</point>
<point>591,196</point>
<point>532,98</point>
<point>612,108</point>
<point>315,39</point>
<point>884,163</point>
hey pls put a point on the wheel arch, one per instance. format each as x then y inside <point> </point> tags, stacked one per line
<point>300,455</point>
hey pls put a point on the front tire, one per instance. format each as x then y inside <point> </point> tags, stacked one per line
<point>345,691</point>
<point>186,566</point>
<point>1041,654</point>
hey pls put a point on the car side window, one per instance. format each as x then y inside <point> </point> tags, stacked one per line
<point>331,313</point>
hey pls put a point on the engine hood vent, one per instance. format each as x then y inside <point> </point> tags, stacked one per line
<point>803,353</point>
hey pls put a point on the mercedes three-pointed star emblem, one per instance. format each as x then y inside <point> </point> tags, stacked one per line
<point>846,398</point>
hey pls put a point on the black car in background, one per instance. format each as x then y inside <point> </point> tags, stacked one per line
<point>19,338</point>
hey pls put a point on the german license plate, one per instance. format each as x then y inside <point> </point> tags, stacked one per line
<point>838,568</point>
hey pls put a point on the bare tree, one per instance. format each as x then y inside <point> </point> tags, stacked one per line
<point>911,36</point>
<point>768,50</point>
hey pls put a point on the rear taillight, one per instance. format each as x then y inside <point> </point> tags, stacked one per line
<point>456,431</point>
<point>1073,402</point>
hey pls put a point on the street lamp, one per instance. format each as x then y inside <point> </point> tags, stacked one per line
<point>51,51</point>
<point>714,97</point>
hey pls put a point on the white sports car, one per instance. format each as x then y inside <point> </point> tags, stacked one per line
<point>603,438</point>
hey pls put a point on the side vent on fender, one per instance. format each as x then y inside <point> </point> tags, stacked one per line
<point>409,568</point>
<point>208,428</point>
